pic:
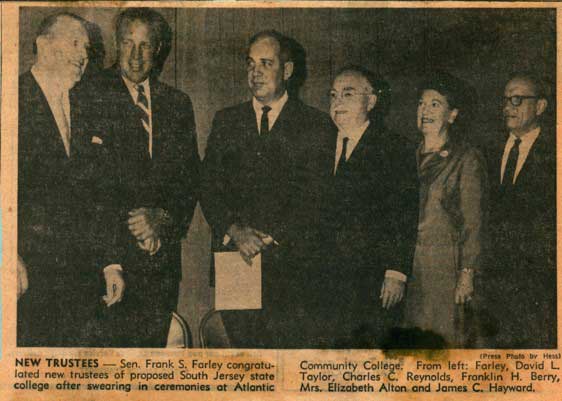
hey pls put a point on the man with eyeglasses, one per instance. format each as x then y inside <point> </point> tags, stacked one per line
<point>370,223</point>
<point>522,270</point>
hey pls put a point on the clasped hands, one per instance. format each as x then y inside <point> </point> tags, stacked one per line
<point>145,225</point>
<point>249,241</point>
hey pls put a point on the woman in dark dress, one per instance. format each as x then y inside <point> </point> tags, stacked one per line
<point>453,190</point>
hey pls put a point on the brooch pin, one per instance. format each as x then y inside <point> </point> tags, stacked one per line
<point>444,153</point>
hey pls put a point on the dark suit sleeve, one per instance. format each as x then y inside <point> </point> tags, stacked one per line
<point>400,224</point>
<point>180,184</point>
<point>101,163</point>
<point>216,184</point>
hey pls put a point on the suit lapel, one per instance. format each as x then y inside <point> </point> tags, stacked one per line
<point>364,150</point>
<point>156,101</point>
<point>134,135</point>
<point>76,130</point>
<point>285,119</point>
<point>52,130</point>
<point>533,160</point>
<point>248,121</point>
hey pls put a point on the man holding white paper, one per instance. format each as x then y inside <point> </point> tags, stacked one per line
<point>262,166</point>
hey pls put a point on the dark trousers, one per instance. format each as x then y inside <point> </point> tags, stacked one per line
<point>142,319</point>
<point>58,311</point>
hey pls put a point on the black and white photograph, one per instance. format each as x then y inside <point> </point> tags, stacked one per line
<point>287,178</point>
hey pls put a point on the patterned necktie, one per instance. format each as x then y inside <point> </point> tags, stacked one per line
<point>509,173</point>
<point>343,156</point>
<point>142,105</point>
<point>264,124</point>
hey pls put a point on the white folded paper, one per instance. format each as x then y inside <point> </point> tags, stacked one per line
<point>237,285</point>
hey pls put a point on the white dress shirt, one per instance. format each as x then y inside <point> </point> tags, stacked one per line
<point>527,141</point>
<point>276,108</point>
<point>132,87</point>
<point>355,135</point>
<point>58,100</point>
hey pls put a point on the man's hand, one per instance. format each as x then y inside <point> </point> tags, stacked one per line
<point>392,292</point>
<point>23,283</point>
<point>465,287</point>
<point>150,245</point>
<point>146,223</point>
<point>114,286</point>
<point>249,241</point>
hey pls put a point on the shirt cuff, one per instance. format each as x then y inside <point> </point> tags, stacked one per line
<point>226,239</point>
<point>113,267</point>
<point>396,274</point>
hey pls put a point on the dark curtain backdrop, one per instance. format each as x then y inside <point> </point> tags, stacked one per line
<point>207,61</point>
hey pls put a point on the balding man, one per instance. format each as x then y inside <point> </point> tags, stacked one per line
<point>522,274</point>
<point>62,236</point>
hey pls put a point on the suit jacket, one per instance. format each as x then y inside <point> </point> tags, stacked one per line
<point>520,279</point>
<point>65,228</point>
<point>525,214</point>
<point>271,183</point>
<point>368,225</point>
<point>266,182</point>
<point>169,179</point>
<point>62,224</point>
<point>372,211</point>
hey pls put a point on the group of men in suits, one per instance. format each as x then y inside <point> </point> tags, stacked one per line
<point>109,177</point>
<point>108,181</point>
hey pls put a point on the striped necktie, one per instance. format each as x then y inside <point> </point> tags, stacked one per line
<point>144,112</point>
<point>142,104</point>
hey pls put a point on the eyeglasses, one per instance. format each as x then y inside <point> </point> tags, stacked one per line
<point>346,95</point>
<point>517,100</point>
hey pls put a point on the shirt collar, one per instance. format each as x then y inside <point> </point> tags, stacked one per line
<point>132,87</point>
<point>276,105</point>
<point>528,138</point>
<point>355,133</point>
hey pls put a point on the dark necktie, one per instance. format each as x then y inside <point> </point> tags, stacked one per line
<point>342,159</point>
<point>511,164</point>
<point>142,100</point>
<point>264,124</point>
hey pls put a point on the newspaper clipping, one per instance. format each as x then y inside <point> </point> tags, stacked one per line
<point>279,200</point>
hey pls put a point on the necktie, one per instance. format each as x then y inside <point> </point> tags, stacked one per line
<point>264,124</point>
<point>511,164</point>
<point>342,159</point>
<point>142,104</point>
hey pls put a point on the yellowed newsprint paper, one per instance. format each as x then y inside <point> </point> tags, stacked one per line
<point>280,200</point>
